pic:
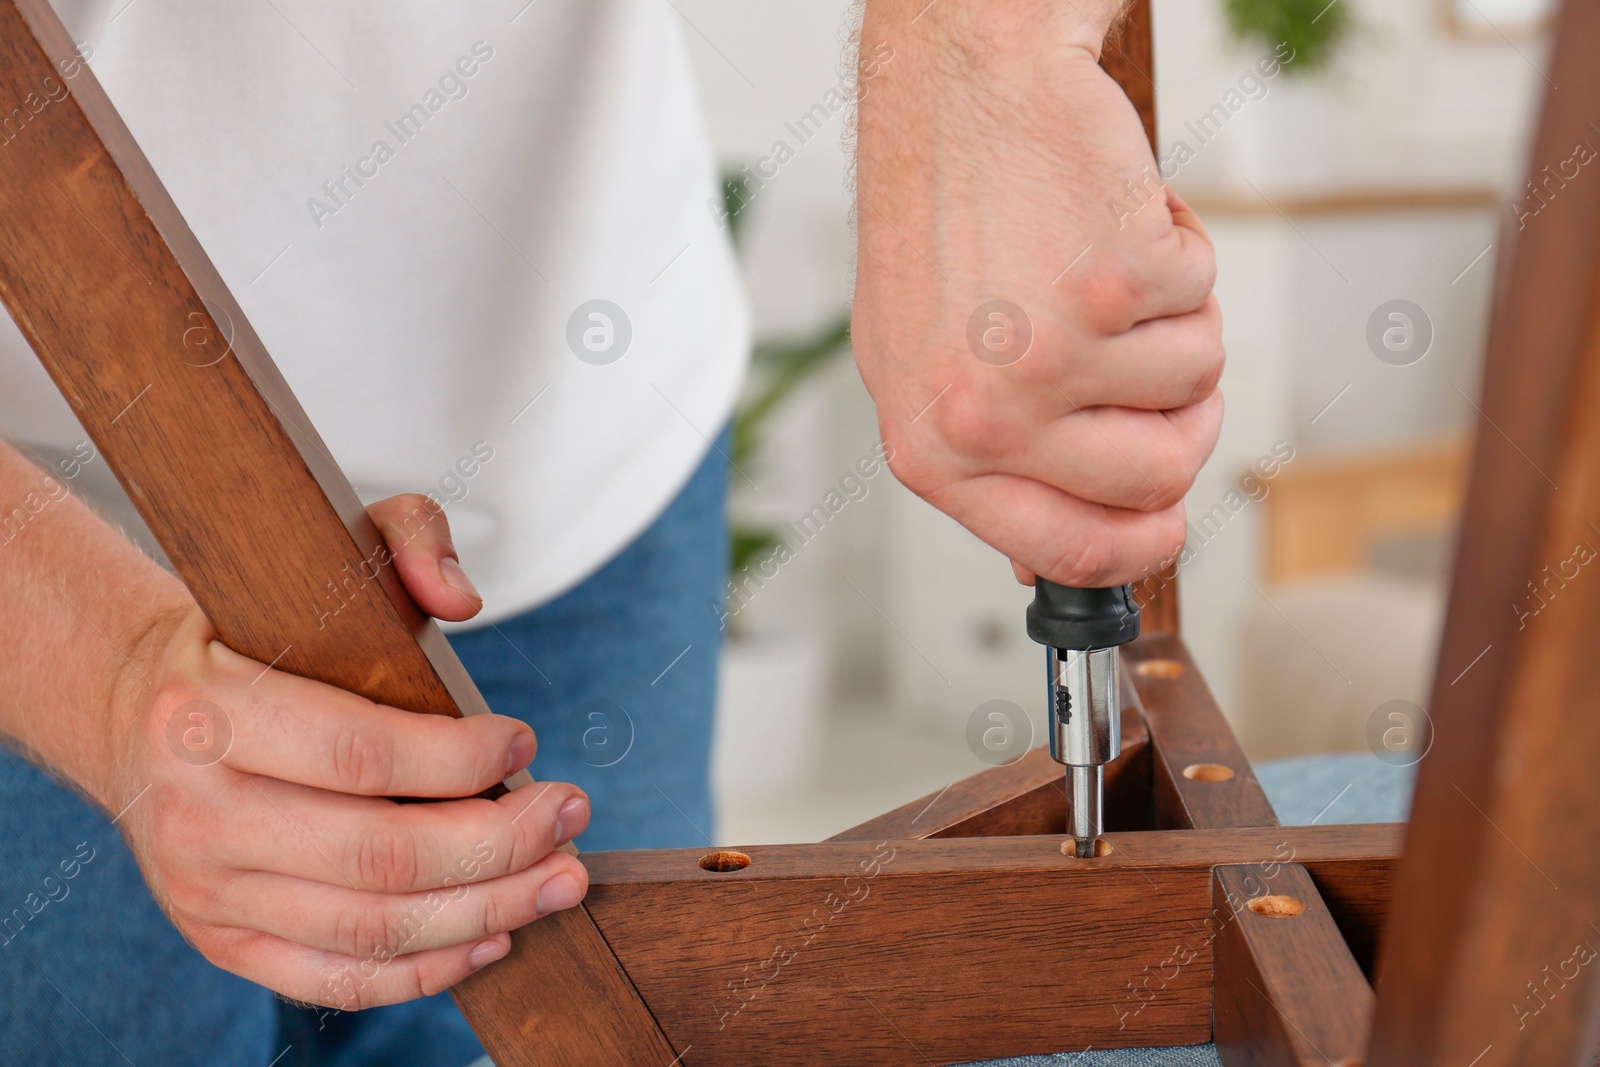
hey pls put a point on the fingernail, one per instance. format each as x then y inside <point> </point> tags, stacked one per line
<point>486,952</point>
<point>571,820</point>
<point>558,894</point>
<point>456,578</point>
<point>521,752</point>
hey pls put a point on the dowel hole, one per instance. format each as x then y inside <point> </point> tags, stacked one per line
<point>724,862</point>
<point>1276,907</point>
<point>1207,772</point>
<point>1159,668</point>
<point>1102,847</point>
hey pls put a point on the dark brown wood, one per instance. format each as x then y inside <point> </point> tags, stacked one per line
<point>1157,597</point>
<point>1129,57</point>
<point>938,951</point>
<point>544,1004</point>
<point>1025,797</point>
<point>1287,992</point>
<point>1488,958</point>
<point>1359,903</point>
<point>1191,742</point>
<point>153,354</point>
<point>1145,850</point>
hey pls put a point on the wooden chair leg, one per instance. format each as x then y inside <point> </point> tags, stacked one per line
<point>177,391</point>
<point>1286,990</point>
<point>1490,957</point>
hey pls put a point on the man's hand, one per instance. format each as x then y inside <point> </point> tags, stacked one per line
<point>255,805</point>
<point>1033,312</point>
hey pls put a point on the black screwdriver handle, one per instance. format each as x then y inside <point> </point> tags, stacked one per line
<point>1082,619</point>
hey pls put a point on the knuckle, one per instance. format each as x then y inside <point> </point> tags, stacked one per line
<point>415,516</point>
<point>485,763</point>
<point>427,983</point>
<point>972,424</point>
<point>531,840</point>
<point>218,951</point>
<point>494,916</point>
<point>517,848</point>
<point>1112,296</point>
<point>1085,563</point>
<point>344,986</point>
<point>361,931</point>
<point>1212,360</point>
<point>195,899</point>
<point>908,465</point>
<point>1172,531</point>
<point>174,829</point>
<point>1160,495</point>
<point>1171,470</point>
<point>363,760</point>
<point>386,860</point>
<point>1206,266</point>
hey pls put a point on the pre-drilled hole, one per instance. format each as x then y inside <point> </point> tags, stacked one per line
<point>1207,772</point>
<point>1102,847</point>
<point>1159,668</point>
<point>723,862</point>
<point>1276,907</point>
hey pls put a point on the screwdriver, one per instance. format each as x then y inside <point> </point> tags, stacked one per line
<point>1081,630</point>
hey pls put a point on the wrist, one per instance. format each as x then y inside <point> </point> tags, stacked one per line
<point>986,31</point>
<point>133,672</point>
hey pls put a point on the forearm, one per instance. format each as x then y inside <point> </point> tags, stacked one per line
<point>984,112</point>
<point>81,610</point>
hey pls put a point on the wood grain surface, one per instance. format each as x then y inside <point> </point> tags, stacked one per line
<point>1025,797</point>
<point>1288,993</point>
<point>1489,958</point>
<point>1129,57</point>
<point>941,950</point>
<point>179,395</point>
<point>1188,730</point>
<point>1359,901</point>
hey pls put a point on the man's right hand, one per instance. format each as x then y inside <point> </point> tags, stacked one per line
<point>1033,309</point>
<point>255,806</point>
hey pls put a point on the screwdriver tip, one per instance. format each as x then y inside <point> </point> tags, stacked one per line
<point>1083,848</point>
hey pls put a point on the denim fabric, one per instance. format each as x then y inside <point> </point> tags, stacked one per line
<point>1343,788</point>
<point>1328,790</point>
<point>98,976</point>
<point>92,973</point>
<point>1185,1056</point>
<point>618,677</point>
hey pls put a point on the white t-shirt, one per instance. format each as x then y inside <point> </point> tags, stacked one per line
<point>416,204</point>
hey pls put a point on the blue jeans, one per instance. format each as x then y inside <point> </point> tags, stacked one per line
<point>617,677</point>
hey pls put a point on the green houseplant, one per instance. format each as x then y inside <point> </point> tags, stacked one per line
<point>778,367</point>
<point>772,683</point>
<point>1314,29</point>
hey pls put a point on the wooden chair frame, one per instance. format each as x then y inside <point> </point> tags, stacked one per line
<point>953,928</point>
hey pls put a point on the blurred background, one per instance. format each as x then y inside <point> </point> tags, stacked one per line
<point>1357,201</point>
